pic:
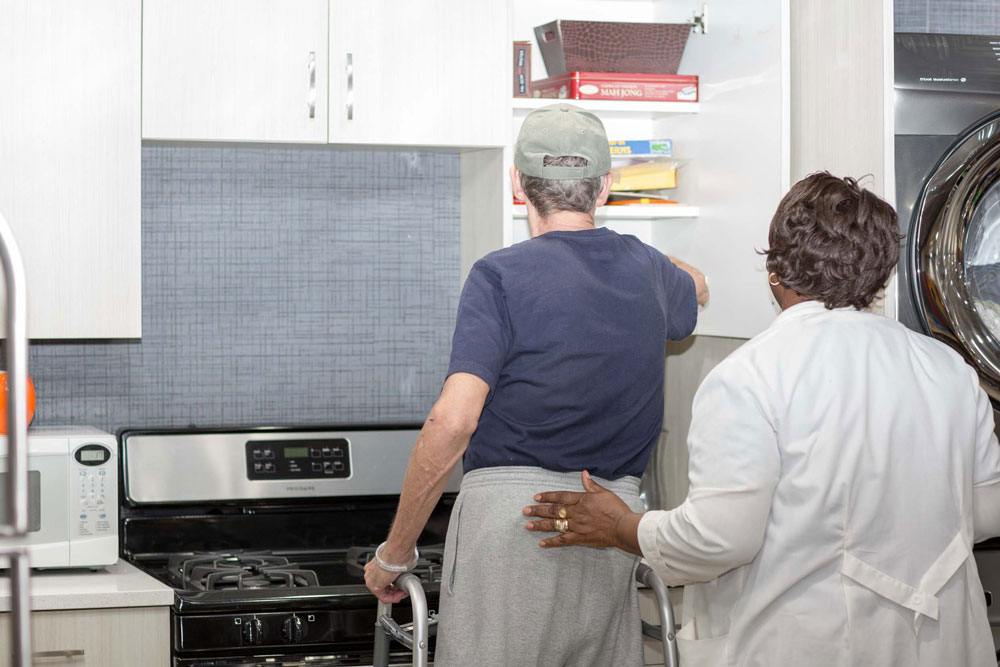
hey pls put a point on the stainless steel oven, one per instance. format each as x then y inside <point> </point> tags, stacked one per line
<point>263,534</point>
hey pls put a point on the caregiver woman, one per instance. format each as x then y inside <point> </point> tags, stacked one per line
<point>841,467</point>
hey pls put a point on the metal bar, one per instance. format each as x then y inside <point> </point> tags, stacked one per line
<point>16,348</point>
<point>645,575</point>
<point>20,626</point>
<point>411,584</point>
<point>381,654</point>
<point>67,655</point>
<point>385,627</point>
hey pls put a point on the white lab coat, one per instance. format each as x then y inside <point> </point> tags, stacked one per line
<point>830,514</point>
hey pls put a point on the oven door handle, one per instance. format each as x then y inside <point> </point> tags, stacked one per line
<point>413,636</point>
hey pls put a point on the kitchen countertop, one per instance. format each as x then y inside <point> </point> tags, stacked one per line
<point>120,585</point>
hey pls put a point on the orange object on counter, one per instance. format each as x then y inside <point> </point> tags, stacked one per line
<point>3,402</point>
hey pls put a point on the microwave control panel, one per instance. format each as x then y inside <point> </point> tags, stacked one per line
<point>96,492</point>
<point>298,459</point>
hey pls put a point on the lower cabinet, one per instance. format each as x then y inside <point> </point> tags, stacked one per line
<point>110,637</point>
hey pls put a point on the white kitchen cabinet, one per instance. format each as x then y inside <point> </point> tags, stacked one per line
<point>109,637</point>
<point>70,160</point>
<point>234,70</point>
<point>734,144</point>
<point>427,73</point>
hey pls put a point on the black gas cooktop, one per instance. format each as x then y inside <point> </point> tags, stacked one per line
<point>243,574</point>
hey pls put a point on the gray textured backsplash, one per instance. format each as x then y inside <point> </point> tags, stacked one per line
<point>281,285</point>
<point>963,17</point>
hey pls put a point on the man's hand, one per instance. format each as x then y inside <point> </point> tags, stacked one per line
<point>379,582</point>
<point>596,518</point>
<point>700,284</point>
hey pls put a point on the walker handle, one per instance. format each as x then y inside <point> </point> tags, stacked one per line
<point>413,636</point>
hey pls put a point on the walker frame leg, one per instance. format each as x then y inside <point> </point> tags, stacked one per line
<point>415,636</point>
<point>645,575</point>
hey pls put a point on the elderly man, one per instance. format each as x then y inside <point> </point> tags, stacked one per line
<point>556,366</point>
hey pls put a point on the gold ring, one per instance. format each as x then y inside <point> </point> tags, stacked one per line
<point>562,525</point>
<point>562,511</point>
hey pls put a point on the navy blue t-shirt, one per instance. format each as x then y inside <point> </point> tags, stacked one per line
<point>568,329</point>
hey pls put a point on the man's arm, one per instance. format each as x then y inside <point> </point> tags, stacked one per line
<point>700,284</point>
<point>440,445</point>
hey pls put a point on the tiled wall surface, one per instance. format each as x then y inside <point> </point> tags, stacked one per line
<point>281,285</point>
<point>968,17</point>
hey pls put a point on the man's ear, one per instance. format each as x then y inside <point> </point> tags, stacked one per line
<point>515,185</point>
<point>602,198</point>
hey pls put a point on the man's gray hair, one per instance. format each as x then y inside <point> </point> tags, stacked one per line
<point>550,195</point>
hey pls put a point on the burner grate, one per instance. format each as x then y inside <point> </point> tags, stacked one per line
<point>241,571</point>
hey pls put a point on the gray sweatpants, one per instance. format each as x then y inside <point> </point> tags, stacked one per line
<point>506,601</point>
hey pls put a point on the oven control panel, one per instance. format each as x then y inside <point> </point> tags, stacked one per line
<point>298,459</point>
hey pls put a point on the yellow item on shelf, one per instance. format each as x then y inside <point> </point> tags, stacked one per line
<point>653,175</point>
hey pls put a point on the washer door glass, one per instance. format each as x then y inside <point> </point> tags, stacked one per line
<point>982,259</point>
<point>955,250</point>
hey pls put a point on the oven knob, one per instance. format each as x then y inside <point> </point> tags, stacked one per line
<point>291,629</point>
<point>252,631</point>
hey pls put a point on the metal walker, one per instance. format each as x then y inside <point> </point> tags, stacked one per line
<point>416,635</point>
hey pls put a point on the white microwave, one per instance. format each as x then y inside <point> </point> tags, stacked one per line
<point>72,497</point>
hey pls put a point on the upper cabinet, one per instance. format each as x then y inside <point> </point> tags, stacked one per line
<point>234,70</point>
<point>429,73</point>
<point>70,160</point>
<point>434,73</point>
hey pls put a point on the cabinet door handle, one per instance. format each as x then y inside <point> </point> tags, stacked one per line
<point>350,86</point>
<point>68,655</point>
<point>311,100</point>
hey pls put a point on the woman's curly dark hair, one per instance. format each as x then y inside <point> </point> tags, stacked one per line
<point>833,241</point>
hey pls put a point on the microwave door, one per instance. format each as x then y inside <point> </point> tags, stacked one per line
<point>48,510</point>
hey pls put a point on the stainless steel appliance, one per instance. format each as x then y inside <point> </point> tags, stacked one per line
<point>263,534</point>
<point>73,497</point>
<point>947,116</point>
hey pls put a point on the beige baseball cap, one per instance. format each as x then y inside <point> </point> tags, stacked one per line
<point>558,130</point>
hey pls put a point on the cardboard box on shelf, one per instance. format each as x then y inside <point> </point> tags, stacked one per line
<point>618,86</point>
<point>629,147</point>
<point>645,175</point>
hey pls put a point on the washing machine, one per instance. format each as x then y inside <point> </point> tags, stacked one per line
<point>947,113</point>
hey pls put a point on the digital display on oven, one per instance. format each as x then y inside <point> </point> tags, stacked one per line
<point>88,455</point>
<point>296,452</point>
